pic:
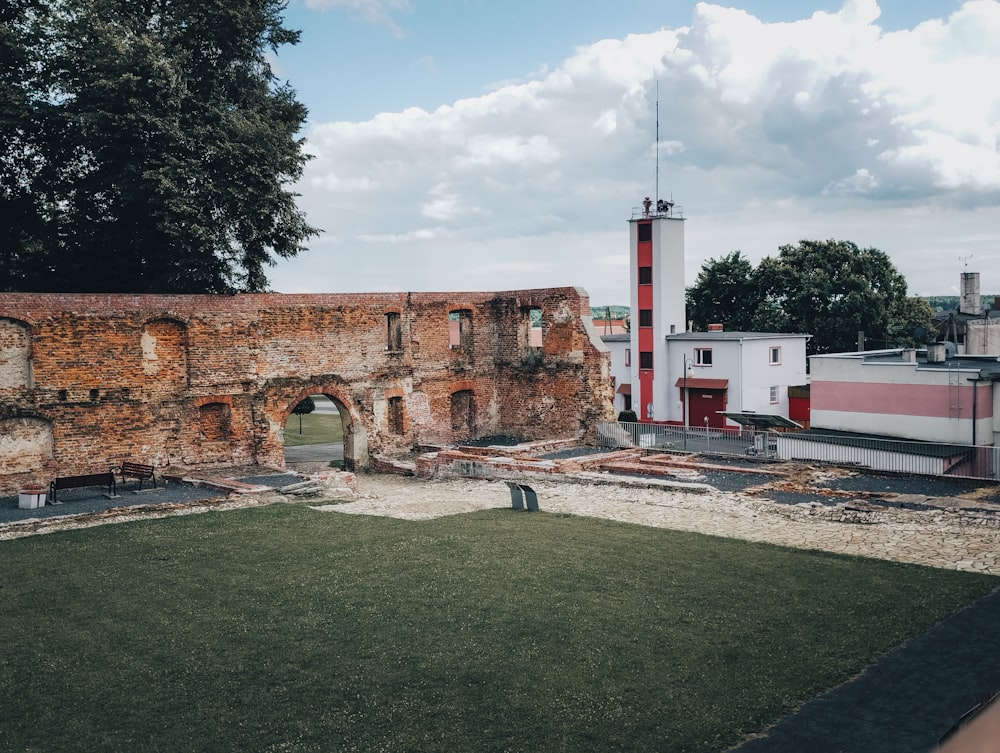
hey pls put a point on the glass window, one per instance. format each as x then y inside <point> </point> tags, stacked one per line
<point>702,356</point>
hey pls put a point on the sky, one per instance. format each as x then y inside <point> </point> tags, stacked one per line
<point>484,145</point>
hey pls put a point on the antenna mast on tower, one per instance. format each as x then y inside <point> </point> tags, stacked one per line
<point>657,196</point>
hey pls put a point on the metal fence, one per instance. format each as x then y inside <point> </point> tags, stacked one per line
<point>891,455</point>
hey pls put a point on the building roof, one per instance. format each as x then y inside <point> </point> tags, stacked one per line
<point>987,366</point>
<point>624,337</point>
<point>734,335</point>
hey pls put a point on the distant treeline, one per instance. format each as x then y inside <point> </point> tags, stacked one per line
<point>950,302</point>
<point>937,302</point>
<point>601,312</point>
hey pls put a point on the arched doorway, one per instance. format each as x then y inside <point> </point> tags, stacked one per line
<point>314,434</point>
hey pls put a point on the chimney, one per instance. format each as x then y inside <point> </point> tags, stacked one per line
<point>715,328</point>
<point>935,352</point>
<point>969,301</point>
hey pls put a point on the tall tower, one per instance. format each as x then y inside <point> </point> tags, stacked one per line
<point>656,271</point>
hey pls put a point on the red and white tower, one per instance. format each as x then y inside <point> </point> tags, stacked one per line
<point>656,264</point>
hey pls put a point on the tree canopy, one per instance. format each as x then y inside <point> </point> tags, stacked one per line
<point>828,289</point>
<point>146,146</point>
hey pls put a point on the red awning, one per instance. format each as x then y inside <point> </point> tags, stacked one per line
<point>699,383</point>
<point>624,389</point>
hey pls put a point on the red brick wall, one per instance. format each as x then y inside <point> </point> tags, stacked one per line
<point>210,380</point>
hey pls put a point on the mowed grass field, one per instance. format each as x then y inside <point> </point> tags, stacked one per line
<point>287,629</point>
<point>317,428</point>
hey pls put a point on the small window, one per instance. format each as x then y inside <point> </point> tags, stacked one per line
<point>460,329</point>
<point>396,415</point>
<point>394,332</point>
<point>774,395</point>
<point>645,359</point>
<point>530,331</point>
<point>645,232</point>
<point>645,275</point>
<point>775,356</point>
<point>628,356</point>
<point>702,356</point>
<point>645,317</point>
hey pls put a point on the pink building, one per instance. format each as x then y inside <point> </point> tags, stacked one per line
<point>931,396</point>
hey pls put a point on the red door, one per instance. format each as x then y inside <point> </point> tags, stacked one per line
<point>705,404</point>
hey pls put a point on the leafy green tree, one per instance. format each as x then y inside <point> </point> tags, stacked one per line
<point>305,406</point>
<point>152,146</point>
<point>725,292</point>
<point>829,289</point>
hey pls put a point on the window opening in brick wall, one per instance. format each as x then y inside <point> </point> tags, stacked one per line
<point>460,329</point>
<point>645,359</point>
<point>395,415</point>
<point>394,332</point>
<point>702,356</point>
<point>463,415</point>
<point>15,354</point>
<point>213,420</point>
<point>529,333</point>
<point>164,344</point>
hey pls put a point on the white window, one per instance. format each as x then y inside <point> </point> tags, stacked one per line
<point>628,356</point>
<point>702,356</point>
<point>774,395</point>
<point>776,355</point>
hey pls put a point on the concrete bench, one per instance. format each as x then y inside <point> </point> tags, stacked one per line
<point>522,497</point>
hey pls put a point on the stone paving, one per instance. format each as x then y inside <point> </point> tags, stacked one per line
<point>948,537</point>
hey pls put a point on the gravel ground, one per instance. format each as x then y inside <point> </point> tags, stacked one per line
<point>929,486</point>
<point>94,499</point>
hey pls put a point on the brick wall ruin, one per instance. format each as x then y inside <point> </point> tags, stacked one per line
<point>89,380</point>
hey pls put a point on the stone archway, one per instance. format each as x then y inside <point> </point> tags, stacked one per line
<point>355,437</point>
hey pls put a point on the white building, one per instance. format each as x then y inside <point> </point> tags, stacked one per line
<point>731,371</point>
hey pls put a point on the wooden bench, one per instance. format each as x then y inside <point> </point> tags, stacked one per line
<point>140,471</point>
<point>79,482</point>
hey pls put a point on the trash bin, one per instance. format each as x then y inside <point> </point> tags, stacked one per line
<point>31,497</point>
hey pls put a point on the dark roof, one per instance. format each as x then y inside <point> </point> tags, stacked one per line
<point>734,335</point>
<point>987,366</point>
<point>880,442</point>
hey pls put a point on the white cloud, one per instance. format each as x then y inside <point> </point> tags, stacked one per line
<point>772,130</point>
<point>380,12</point>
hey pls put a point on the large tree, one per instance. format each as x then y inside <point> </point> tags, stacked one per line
<point>829,289</point>
<point>724,293</point>
<point>148,146</point>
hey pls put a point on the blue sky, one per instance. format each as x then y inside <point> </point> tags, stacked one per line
<point>465,144</point>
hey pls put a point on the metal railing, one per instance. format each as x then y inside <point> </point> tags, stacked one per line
<point>891,455</point>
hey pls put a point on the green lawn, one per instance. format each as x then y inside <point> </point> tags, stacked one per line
<point>285,629</point>
<point>317,428</point>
